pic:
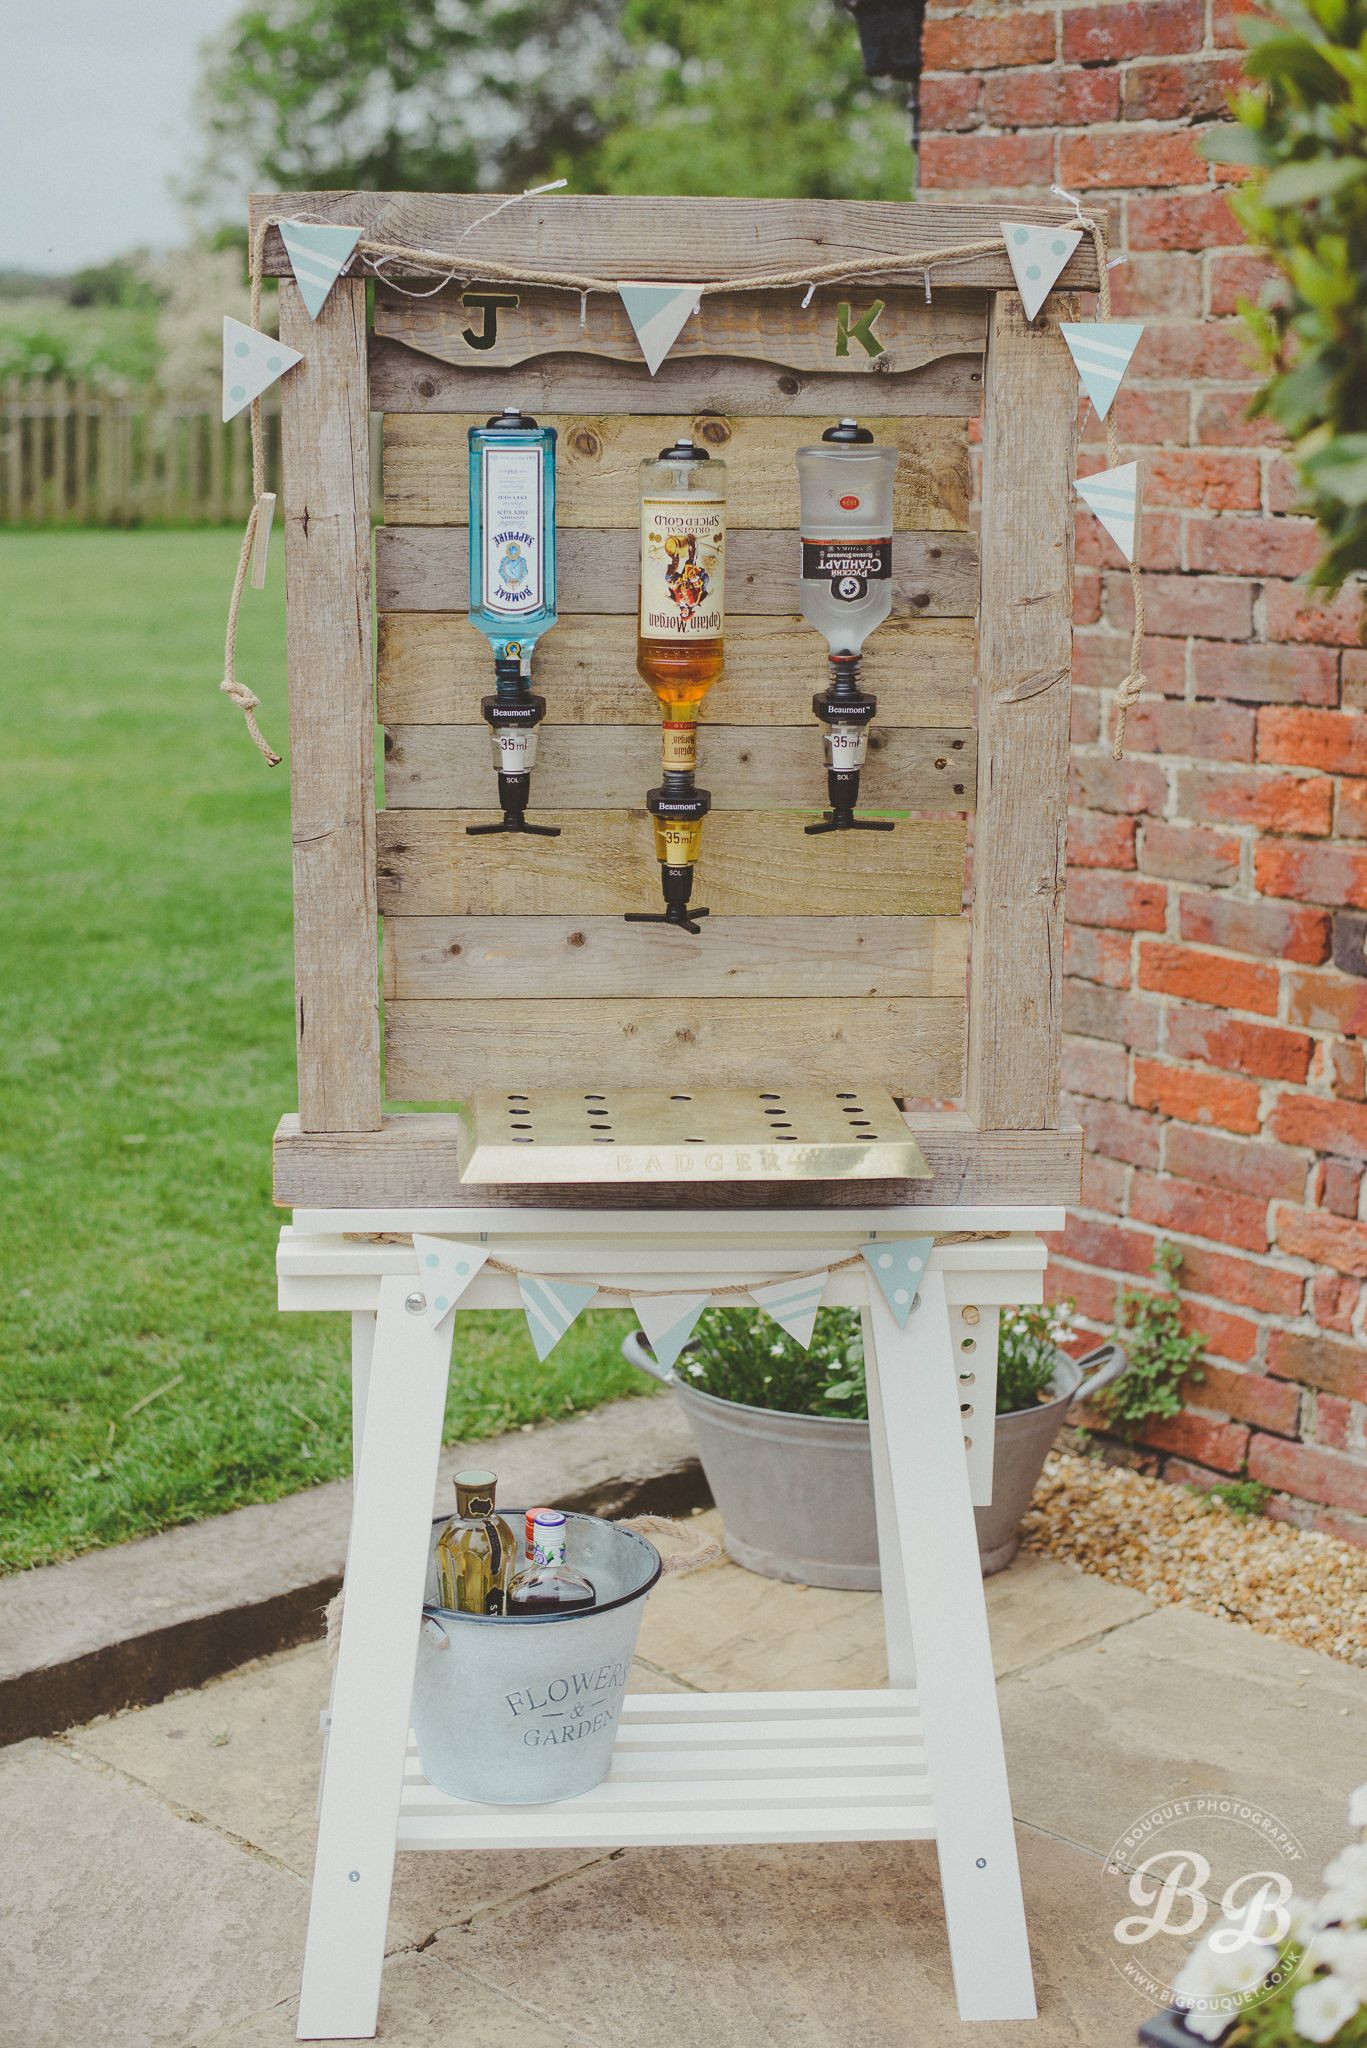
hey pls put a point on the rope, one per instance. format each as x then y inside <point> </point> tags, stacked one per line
<point>446,267</point>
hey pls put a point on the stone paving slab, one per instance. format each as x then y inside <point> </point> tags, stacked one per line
<point>165,1853</point>
<point>1180,1704</point>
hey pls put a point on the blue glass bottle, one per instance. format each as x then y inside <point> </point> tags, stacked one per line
<point>512,592</point>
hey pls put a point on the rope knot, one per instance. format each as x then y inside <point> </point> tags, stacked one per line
<point>247,701</point>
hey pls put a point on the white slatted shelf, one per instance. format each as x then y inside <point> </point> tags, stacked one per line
<point>703,1768</point>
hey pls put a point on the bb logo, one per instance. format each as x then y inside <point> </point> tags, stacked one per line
<point>849,504</point>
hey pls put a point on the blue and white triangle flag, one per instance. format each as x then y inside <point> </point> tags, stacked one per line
<point>657,313</point>
<point>1101,349</point>
<point>551,1307</point>
<point>668,1320</point>
<point>1113,495</point>
<point>251,362</point>
<point>445,1270</point>
<point>793,1304</point>
<point>897,1265</point>
<point>1037,256</point>
<point>318,256</point>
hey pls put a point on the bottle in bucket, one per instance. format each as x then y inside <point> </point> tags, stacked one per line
<point>476,1551</point>
<point>548,1585</point>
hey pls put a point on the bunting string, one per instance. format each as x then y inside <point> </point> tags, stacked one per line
<point>448,265</point>
<point>493,1265</point>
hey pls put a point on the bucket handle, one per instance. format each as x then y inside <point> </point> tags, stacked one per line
<point>1103,1366</point>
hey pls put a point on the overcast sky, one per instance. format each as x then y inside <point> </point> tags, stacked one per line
<point>95,124</point>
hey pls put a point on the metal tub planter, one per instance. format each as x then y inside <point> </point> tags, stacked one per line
<point>789,1485</point>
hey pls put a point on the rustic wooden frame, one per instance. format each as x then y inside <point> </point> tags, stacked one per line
<point>1008,1144</point>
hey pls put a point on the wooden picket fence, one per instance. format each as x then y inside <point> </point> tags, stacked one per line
<point>80,455</point>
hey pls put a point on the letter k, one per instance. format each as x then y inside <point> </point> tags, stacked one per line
<point>861,331</point>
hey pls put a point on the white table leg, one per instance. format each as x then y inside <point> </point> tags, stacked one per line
<point>917,1379</point>
<point>362,1352</point>
<point>896,1614</point>
<point>373,1690</point>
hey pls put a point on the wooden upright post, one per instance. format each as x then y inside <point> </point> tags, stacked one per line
<point>1024,676</point>
<point>324,425</point>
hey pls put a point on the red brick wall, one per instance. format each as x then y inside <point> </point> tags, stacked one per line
<point>1214,1054</point>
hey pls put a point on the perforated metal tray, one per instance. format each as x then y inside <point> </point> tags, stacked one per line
<point>647,1134</point>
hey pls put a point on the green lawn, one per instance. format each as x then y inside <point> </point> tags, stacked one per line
<point>146,1377</point>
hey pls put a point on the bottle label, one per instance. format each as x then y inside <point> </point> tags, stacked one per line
<point>514,748</point>
<point>683,545</point>
<point>679,745</point>
<point>514,527</point>
<point>548,1549</point>
<point>846,746</point>
<point>849,566</point>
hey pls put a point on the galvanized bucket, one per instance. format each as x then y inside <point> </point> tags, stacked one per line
<point>796,1491</point>
<point>520,1710</point>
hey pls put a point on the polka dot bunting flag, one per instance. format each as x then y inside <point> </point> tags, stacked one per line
<point>251,363</point>
<point>445,1270</point>
<point>897,1265</point>
<point>1037,256</point>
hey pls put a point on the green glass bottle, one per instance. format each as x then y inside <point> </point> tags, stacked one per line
<point>476,1551</point>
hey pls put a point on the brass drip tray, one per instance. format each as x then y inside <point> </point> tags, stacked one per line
<point>557,1135</point>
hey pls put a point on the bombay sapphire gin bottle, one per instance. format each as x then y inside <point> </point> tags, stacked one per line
<point>512,591</point>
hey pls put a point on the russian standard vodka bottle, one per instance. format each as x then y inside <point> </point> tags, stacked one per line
<point>846,518</point>
<point>512,591</point>
<point>476,1551</point>
<point>548,1585</point>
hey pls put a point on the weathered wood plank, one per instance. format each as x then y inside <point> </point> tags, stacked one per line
<point>425,569</point>
<point>324,440</point>
<point>459,958</point>
<point>1025,654</point>
<point>410,1162</point>
<point>597,460</point>
<point>402,380</point>
<point>434,668</point>
<point>768,327</point>
<point>625,237</point>
<point>754,864</point>
<point>443,1052</point>
<point>747,768</point>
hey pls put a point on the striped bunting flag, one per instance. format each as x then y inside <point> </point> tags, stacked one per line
<point>897,1265</point>
<point>1101,349</point>
<point>551,1307</point>
<point>445,1270</point>
<point>669,1320</point>
<point>657,313</point>
<point>318,256</point>
<point>1113,495</point>
<point>1037,256</point>
<point>793,1304</point>
<point>251,362</point>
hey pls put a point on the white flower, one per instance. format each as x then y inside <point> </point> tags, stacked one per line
<point>1208,2026</point>
<point>695,1368</point>
<point>776,1350</point>
<point>1301,1920</point>
<point>1321,2008</point>
<point>1346,1877</point>
<point>1207,1974</point>
<point>1344,1949</point>
<point>1357,1808</point>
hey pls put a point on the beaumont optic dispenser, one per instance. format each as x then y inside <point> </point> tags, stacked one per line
<point>846,515</point>
<point>512,592</point>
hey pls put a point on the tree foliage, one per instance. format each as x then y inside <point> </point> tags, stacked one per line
<point>1302,132</point>
<point>670,96</point>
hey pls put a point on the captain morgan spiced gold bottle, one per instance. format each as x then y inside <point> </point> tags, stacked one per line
<point>679,644</point>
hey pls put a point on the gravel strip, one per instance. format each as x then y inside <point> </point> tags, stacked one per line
<point>1172,1545</point>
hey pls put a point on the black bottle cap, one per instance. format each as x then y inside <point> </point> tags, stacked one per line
<point>688,451</point>
<point>511,416</point>
<point>848,431</point>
